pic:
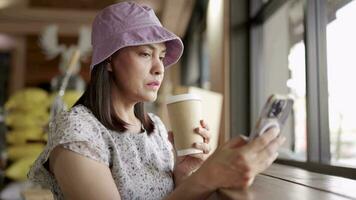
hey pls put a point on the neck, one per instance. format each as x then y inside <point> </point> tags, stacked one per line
<point>125,109</point>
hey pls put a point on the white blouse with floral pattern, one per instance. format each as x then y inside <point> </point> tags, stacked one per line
<point>141,164</point>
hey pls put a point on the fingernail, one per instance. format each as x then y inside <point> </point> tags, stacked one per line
<point>198,145</point>
<point>244,137</point>
<point>276,155</point>
<point>276,129</point>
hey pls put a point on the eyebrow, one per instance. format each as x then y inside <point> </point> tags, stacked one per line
<point>153,48</point>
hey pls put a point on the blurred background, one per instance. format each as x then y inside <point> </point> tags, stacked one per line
<point>237,53</point>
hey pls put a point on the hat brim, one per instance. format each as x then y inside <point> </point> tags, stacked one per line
<point>140,36</point>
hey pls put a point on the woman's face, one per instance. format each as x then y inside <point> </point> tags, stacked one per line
<point>138,71</point>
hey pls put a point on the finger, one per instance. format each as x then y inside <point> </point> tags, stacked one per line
<point>171,137</point>
<point>274,145</point>
<point>282,139</point>
<point>250,181</point>
<point>264,164</point>
<point>265,154</point>
<point>268,155</point>
<point>200,156</point>
<point>263,141</point>
<point>204,133</point>
<point>272,159</point>
<point>202,146</point>
<point>244,137</point>
<point>236,142</point>
<point>278,142</point>
<point>204,124</point>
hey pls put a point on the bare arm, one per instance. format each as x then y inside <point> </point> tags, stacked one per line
<point>80,177</point>
<point>192,188</point>
<point>234,165</point>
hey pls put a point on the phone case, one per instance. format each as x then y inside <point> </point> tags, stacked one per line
<point>274,114</point>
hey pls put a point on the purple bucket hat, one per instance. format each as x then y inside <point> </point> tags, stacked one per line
<point>130,24</point>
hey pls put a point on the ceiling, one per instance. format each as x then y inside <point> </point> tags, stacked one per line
<point>22,21</point>
<point>30,16</point>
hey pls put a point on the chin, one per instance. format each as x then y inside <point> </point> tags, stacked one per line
<point>153,99</point>
<point>149,98</point>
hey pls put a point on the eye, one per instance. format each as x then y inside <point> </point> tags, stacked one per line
<point>145,54</point>
<point>161,58</point>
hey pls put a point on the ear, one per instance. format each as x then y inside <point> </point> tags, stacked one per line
<point>109,66</point>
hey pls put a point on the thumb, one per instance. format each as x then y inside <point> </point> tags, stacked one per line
<point>170,137</point>
<point>237,141</point>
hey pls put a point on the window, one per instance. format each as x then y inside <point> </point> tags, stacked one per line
<point>283,72</point>
<point>341,68</point>
<point>308,51</point>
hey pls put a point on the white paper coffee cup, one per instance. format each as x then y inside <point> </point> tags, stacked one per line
<point>185,113</point>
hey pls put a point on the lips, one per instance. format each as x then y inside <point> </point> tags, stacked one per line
<point>154,83</point>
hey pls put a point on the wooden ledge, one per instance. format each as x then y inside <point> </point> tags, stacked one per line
<point>285,182</point>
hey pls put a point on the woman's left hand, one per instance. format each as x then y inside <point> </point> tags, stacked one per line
<point>185,165</point>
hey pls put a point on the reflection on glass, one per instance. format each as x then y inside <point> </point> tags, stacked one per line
<point>284,71</point>
<point>298,90</point>
<point>341,58</point>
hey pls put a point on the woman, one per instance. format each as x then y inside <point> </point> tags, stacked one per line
<point>107,147</point>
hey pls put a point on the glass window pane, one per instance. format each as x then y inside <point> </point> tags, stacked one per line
<point>284,71</point>
<point>341,54</point>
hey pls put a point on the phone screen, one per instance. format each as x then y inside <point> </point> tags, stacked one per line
<point>274,114</point>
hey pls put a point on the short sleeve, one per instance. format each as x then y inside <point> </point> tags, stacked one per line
<point>162,130</point>
<point>78,133</point>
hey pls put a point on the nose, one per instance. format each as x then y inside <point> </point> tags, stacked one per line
<point>157,67</point>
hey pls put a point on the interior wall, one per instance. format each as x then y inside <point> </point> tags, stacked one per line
<point>239,68</point>
<point>217,33</point>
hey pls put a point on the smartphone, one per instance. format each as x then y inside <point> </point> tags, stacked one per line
<point>274,114</point>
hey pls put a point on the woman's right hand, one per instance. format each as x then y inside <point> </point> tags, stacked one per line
<point>237,162</point>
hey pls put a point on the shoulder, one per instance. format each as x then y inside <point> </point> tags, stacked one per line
<point>79,131</point>
<point>159,125</point>
<point>156,120</point>
<point>77,114</point>
<point>154,117</point>
<point>76,124</point>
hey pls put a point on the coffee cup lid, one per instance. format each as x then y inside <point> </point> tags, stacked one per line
<point>182,97</point>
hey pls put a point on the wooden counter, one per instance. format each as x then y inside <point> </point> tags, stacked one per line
<point>285,182</point>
